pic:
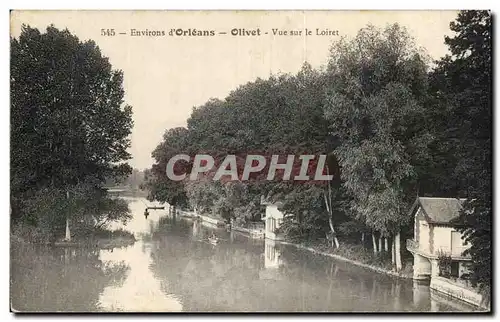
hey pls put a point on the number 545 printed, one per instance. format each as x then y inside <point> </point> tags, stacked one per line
<point>107,32</point>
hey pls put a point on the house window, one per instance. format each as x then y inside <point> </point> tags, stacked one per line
<point>457,242</point>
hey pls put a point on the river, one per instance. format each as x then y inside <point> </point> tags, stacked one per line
<point>173,268</point>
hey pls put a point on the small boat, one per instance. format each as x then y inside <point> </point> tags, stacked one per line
<point>156,207</point>
<point>213,240</point>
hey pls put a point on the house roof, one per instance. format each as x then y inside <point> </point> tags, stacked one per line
<point>439,210</point>
<point>277,204</point>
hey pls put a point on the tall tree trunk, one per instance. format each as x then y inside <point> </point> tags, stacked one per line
<point>328,204</point>
<point>393,253</point>
<point>374,242</point>
<point>397,250</point>
<point>330,219</point>
<point>330,222</point>
<point>68,233</point>
<point>362,239</point>
<point>380,243</point>
<point>386,244</point>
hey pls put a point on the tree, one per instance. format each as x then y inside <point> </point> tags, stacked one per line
<point>160,187</point>
<point>280,115</point>
<point>462,82</point>
<point>378,84</point>
<point>89,208</point>
<point>68,118</point>
<point>202,194</point>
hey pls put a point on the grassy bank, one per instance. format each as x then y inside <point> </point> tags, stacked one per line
<point>91,237</point>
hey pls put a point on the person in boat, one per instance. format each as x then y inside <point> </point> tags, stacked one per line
<point>146,213</point>
<point>213,237</point>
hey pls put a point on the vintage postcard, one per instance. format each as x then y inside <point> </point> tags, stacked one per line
<point>250,161</point>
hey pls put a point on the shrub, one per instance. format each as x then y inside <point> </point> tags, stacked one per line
<point>444,264</point>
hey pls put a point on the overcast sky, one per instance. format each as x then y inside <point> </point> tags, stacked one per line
<point>165,77</point>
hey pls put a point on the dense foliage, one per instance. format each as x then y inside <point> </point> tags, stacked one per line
<point>69,130</point>
<point>394,124</point>
<point>375,107</point>
<point>463,81</point>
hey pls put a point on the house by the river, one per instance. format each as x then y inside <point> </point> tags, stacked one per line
<point>434,235</point>
<point>436,238</point>
<point>273,218</point>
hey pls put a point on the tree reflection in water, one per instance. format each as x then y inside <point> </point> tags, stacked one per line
<point>141,291</point>
<point>240,274</point>
<point>173,268</point>
<point>60,279</point>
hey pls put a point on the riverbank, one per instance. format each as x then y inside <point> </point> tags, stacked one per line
<point>215,222</point>
<point>462,291</point>
<point>255,233</point>
<point>380,263</point>
<point>439,284</point>
<point>352,255</point>
<point>99,238</point>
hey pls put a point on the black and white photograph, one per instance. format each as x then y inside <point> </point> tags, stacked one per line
<point>251,161</point>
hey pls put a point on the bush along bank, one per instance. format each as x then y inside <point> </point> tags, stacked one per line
<point>91,237</point>
<point>77,215</point>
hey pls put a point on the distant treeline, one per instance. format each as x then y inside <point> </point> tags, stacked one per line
<point>133,181</point>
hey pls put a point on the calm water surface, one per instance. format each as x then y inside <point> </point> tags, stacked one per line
<point>173,268</point>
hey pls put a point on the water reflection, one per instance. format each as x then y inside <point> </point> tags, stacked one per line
<point>197,231</point>
<point>241,274</point>
<point>173,267</point>
<point>141,291</point>
<point>60,279</point>
<point>138,224</point>
<point>272,262</point>
<point>272,255</point>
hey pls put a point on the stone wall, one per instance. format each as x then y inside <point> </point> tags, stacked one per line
<point>458,291</point>
<point>421,267</point>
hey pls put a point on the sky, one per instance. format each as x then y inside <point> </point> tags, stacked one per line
<point>166,76</point>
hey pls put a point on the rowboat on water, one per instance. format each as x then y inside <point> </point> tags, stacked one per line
<point>213,240</point>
